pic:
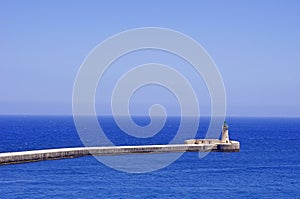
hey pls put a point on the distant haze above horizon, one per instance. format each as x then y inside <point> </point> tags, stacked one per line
<point>255,45</point>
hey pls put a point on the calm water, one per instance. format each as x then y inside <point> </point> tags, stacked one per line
<point>268,165</point>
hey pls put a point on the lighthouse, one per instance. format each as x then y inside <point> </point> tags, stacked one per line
<point>225,136</point>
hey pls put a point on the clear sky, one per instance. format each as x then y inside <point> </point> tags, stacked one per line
<point>255,44</point>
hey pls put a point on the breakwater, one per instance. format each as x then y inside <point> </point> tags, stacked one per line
<point>53,154</point>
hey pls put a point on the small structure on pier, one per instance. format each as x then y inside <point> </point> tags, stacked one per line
<point>225,136</point>
<point>223,144</point>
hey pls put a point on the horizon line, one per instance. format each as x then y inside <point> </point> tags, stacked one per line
<point>110,115</point>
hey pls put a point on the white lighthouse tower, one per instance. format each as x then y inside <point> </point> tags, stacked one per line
<point>225,135</point>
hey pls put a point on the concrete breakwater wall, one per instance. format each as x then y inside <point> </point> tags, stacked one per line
<point>52,154</point>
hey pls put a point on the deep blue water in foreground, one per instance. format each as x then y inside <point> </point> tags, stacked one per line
<point>268,165</point>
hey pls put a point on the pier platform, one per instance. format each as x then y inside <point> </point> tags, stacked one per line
<point>53,154</point>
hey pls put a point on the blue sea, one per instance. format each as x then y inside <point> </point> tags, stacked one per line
<point>268,165</point>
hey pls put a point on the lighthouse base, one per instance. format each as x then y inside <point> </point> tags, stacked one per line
<point>217,145</point>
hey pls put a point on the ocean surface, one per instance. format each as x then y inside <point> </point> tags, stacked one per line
<point>268,165</point>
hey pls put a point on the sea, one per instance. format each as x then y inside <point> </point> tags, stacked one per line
<point>267,166</point>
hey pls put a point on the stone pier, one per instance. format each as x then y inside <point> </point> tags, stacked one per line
<point>53,154</point>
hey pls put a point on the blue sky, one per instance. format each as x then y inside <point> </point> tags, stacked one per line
<point>255,45</point>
